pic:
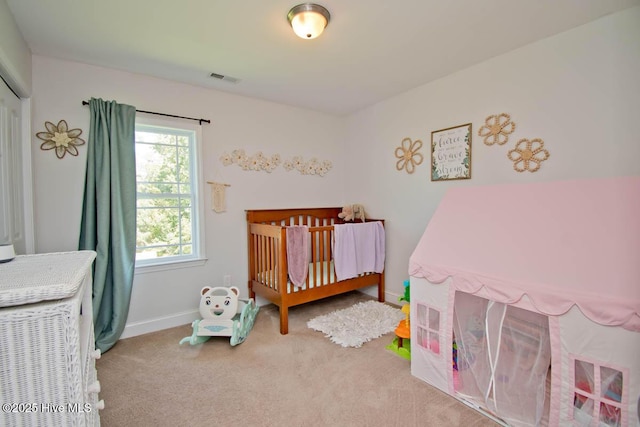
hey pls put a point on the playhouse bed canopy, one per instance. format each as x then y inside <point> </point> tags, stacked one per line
<point>538,287</point>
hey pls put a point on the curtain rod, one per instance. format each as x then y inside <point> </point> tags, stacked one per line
<point>166,115</point>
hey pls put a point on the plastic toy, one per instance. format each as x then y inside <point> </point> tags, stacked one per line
<point>401,344</point>
<point>224,314</point>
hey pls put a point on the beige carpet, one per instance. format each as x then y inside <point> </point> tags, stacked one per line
<point>299,379</point>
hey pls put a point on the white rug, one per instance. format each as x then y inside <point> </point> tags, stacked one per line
<point>358,324</point>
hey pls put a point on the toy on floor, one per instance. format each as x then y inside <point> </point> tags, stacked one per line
<point>457,382</point>
<point>224,314</point>
<point>401,344</point>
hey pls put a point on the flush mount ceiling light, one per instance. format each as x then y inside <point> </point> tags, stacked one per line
<point>308,20</point>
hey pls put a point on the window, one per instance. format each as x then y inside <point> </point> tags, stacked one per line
<point>168,202</point>
<point>598,393</point>
<point>428,328</point>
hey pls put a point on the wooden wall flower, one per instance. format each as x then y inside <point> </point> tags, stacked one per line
<point>408,155</point>
<point>528,155</point>
<point>60,138</point>
<point>497,129</point>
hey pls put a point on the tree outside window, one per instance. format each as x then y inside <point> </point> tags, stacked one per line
<point>166,194</point>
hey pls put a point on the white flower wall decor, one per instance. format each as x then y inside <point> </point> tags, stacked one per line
<point>260,162</point>
<point>257,162</point>
<point>309,167</point>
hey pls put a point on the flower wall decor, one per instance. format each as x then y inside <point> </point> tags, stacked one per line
<point>309,167</point>
<point>528,155</point>
<point>257,162</point>
<point>408,155</point>
<point>60,138</point>
<point>260,162</point>
<point>496,129</point>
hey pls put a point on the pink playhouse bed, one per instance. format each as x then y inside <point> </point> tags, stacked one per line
<point>525,301</point>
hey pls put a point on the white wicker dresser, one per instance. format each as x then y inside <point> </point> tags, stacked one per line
<point>47,349</point>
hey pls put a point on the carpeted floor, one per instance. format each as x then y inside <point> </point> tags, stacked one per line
<point>299,379</point>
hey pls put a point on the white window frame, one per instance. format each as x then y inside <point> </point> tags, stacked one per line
<point>425,327</point>
<point>198,257</point>
<point>596,395</point>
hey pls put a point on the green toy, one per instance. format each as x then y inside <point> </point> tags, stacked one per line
<point>407,294</point>
<point>401,344</point>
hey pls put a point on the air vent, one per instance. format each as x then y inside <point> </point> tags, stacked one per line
<point>225,78</point>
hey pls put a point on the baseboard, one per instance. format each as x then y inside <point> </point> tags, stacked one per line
<point>159,323</point>
<point>389,297</point>
<point>392,298</point>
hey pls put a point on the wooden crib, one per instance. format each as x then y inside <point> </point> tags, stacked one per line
<point>267,258</point>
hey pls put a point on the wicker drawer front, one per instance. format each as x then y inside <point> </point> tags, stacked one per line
<point>40,364</point>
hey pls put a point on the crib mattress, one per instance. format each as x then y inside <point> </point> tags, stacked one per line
<point>320,274</point>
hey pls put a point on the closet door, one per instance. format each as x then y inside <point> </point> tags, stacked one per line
<point>12,228</point>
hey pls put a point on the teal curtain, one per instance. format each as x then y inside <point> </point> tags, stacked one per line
<point>109,215</point>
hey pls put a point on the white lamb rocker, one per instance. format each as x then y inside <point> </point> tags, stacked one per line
<point>223,315</point>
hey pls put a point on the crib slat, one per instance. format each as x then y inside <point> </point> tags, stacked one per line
<point>261,240</point>
<point>322,258</point>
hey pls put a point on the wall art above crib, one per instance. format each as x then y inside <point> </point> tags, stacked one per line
<point>256,162</point>
<point>312,166</point>
<point>260,162</point>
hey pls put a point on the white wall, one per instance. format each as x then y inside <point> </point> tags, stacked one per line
<point>15,56</point>
<point>578,91</point>
<point>171,297</point>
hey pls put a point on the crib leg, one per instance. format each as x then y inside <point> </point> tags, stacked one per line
<point>381,288</point>
<point>284,320</point>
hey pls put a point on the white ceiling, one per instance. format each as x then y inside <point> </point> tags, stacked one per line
<point>370,51</point>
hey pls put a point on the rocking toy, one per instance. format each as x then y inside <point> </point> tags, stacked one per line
<point>223,315</point>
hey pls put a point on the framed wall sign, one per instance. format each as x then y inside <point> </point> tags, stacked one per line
<point>451,153</point>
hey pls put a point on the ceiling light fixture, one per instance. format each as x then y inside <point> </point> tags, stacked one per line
<point>308,20</point>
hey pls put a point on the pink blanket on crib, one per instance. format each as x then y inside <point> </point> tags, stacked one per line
<point>297,253</point>
<point>358,248</point>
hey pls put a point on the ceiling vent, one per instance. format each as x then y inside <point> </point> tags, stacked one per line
<point>225,78</point>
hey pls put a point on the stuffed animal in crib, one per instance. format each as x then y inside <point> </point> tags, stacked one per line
<point>219,303</point>
<point>352,212</point>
